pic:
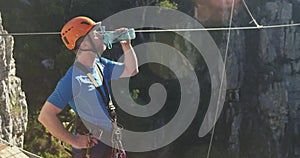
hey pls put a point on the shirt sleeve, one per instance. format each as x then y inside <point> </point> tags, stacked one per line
<point>62,94</point>
<point>112,70</point>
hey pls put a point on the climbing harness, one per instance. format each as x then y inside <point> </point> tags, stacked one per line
<point>117,147</point>
<point>76,124</point>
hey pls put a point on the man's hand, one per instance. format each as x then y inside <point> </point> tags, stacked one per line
<point>84,141</point>
<point>48,117</point>
<point>126,43</point>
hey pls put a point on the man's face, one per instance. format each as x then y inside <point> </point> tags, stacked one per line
<point>97,38</point>
<point>93,42</point>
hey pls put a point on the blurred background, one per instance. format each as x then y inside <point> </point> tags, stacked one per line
<point>261,115</point>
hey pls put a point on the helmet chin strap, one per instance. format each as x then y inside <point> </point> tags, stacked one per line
<point>93,49</point>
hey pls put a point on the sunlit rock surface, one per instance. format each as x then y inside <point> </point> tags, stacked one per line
<point>13,106</point>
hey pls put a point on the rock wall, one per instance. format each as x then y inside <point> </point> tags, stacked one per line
<point>283,49</point>
<point>13,106</point>
<point>263,67</point>
<point>261,117</point>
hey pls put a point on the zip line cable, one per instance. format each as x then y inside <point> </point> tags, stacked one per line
<point>29,33</point>
<point>222,81</point>
<point>22,150</point>
<point>258,26</point>
<point>169,30</point>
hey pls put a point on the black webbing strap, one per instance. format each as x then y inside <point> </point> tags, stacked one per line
<point>104,95</point>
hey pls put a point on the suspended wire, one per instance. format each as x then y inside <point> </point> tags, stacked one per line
<point>258,26</point>
<point>249,12</point>
<point>24,151</point>
<point>29,33</point>
<point>222,80</point>
<point>170,30</point>
<point>221,28</point>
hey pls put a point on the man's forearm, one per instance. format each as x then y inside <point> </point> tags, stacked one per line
<point>54,126</point>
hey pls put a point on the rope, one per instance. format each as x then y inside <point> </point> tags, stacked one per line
<point>171,30</point>
<point>222,80</point>
<point>24,151</point>
<point>29,33</point>
<point>249,12</point>
<point>258,26</point>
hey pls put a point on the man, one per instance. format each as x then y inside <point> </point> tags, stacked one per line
<point>75,88</point>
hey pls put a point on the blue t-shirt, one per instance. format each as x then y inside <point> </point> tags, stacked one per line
<point>76,89</point>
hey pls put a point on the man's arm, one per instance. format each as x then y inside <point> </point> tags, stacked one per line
<point>130,59</point>
<point>48,117</point>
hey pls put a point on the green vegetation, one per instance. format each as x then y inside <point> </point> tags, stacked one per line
<point>168,4</point>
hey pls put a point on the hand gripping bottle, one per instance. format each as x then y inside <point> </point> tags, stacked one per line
<point>116,36</point>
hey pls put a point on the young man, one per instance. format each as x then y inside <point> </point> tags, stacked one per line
<point>77,90</point>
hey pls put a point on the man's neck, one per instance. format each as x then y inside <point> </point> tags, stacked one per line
<point>87,58</point>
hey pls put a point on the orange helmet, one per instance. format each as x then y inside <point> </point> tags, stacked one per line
<point>74,29</point>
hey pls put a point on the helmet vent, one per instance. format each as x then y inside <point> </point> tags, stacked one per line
<point>86,23</point>
<point>66,40</point>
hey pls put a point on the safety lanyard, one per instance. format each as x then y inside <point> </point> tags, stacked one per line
<point>105,95</point>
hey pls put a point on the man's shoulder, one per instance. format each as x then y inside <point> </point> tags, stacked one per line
<point>70,73</point>
<point>71,76</point>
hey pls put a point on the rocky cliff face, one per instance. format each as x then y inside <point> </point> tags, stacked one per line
<point>13,106</point>
<point>279,53</point>
<point>261,115</point>
<point>263,70</point>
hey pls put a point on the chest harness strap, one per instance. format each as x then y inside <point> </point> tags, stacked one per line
<point>117,147</point>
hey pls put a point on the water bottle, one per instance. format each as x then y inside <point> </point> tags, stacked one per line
<point>116,36</point>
